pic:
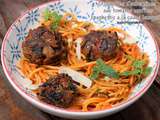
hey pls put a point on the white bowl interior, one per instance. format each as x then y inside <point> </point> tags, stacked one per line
<point>101,14</point>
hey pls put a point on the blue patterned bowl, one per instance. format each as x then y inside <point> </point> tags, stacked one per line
<point>103,15</point>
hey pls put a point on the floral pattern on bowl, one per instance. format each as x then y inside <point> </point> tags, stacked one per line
<point>102,15</point>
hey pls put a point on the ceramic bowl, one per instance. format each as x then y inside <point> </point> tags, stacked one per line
<point>102,15</point>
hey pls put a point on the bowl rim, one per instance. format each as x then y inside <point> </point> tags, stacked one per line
<point>55,109</point>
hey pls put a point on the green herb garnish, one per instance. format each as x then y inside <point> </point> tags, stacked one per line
<point>47,15</point>
<point>101,67</point>
<point>107,70</point>
<point>138,64</point>
<point>95,72</point>
<point>129,73</point>
<point>138,68</point>
<point>137,72</point>
<point>54,17</point>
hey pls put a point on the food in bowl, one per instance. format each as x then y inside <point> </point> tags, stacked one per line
<point>42,46</point>
<point>58,90</point>
<point>100,44</point>
<point>76,66</point>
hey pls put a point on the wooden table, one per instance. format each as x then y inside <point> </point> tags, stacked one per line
<point>14,107</point>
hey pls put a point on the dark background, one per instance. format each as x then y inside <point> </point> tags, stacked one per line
<point>14,107</point>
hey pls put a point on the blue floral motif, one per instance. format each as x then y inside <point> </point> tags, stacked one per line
<point>33,16</point>
<point>14,51</point>
<point>76,11</point>
<point>12,68</point>
<point>154,55</point>
<point>138,26</point>
<point>57,6</point>
<point>125,26</point>
<point>21,32</point>
<point>93,3</point>
<point>142,37</point>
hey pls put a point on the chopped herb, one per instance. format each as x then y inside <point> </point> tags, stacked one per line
<point>54,26</point>
<point>107,70</point>
<point>95,72</point>
<point>147,71</point>
<point>54,17</point>
<point>101,67</point>
<point>133,72</point>
<point>138,68</point>
<point>138,63</point>
<point>47,15</point>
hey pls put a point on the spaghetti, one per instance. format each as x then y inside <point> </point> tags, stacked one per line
<point>104,93</point>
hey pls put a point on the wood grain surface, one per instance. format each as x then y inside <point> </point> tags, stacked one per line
<point>14,107</point>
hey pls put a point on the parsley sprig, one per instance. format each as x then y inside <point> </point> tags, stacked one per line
<point>101,67</point>
<point>139,68</point>
<point>54,17</point>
